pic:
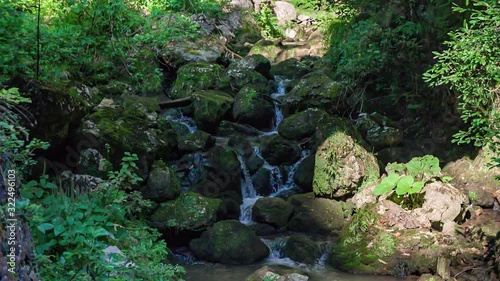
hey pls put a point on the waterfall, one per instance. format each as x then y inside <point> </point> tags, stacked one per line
<point>248,192</point>
<point>185,121</point>
<point>280,91</point>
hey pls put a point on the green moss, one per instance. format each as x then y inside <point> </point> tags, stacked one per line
<point>210,107</point>
<point>198,76</point>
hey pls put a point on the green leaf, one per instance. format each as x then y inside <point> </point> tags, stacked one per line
<point>446,179</point>
<point>44,227</point>
<point>416,187</point>
<point>387,184</point>
<point>58,229</point>
<point>404,185</point>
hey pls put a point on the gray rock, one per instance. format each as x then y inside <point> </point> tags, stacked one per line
<point>279,151</point>
<point>162,184</point>
<point>273,211</point>
<point>284,11</point>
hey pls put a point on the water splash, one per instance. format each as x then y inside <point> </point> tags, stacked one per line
<point>180,119</point>
<point>280,91</point>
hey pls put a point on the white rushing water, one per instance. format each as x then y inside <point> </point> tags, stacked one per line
<point>186,121</point>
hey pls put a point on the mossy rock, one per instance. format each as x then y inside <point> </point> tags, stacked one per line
<point>343,167</point>
<point>273,211</point>
<point>198,76</point>
<point>209,108</point>
<point>268,48</point>
<point>223,172</point>
<point>197,141</point>
<point>262,181</point>
<point>303,124</point>
<point>252,108</point>
<point>93,163</point>
<point>162,184</point>
<point>150,82</point>
<point>317,215</point>
<point>304,174</point>
<point>255,62</point>
<point>190,211</point>
<point>279,151</point>
<point>315,90</point>
<point>301,248</point>
<point>240,77</point>
<point>229,242</point>
<point>290,69</point>
<point>129,131</point>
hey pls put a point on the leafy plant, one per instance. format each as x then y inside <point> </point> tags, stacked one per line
<point>71,238</point>
<point>407,180</point>
<point>268,22</point>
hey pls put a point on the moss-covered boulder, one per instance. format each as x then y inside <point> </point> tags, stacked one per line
<point>279,151</point>
<point>303,124</point>
<point>335,124</point>
<point>190,211</point>
<point>290,69</point>
<point>315,90</point>
<point>268,48</point>
<point>252,108</point>
<point>229,242</point>
<point>301,248</point>
<point>304,174</point>
<point>343,166</point>
<point>255,62</point>
<point>317,215</point>
<point>162,183</point>
<point>262,181</point>
<point>209,108</point>
<point>379,131</point>
<point>239,77</point>
<point>198,76</point>
<point>129,130</point>
<point>273,211</point>
<point>197,141</point>
<point>223,173</point>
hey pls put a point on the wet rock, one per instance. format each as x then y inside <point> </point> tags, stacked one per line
<point>241,144</point>
<point>314,90</point>
<point>252,108</point>
<point>254,162</point>
<point>278,274</point>
<point>317,215</point>
<point>301,248</point>
<point>209,108</point>
<point>197,141</point>
<point>343,166</point>
<point>261,229</point>
<point>93,163</point>
<point>162,184</point>
<point>279,151</point>
<point>303,124</point>
<point>262,182</point>
<point>290,69</point>
<point>190,211</point>
<point>242,246</point>
<point>273,211</point>
<point>304,174</point>
<point>231,207</point>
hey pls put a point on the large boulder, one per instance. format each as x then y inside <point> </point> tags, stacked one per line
<point>343,167</point>
<point>182,52</point>
<point>162,184</point>
<point>262,181</point>
<point>278,273</point>
<point>317,215</point>
<point>442,202</point>
<point>303,124</point>
<point>190,211</point>
<point>114,131</point>
<point>229,242</point>
<point>379,130</point>
<point>210,107</point>
<point>239,77</point>
<point>198,76</point>
<point>290,69</point>
<point>197,141</point>
<point>255,62</point>
<point>252,108</point>
<point>273,211</point>
<point>279,151</point>
<point>314,90</point>
<point>223,173</point>
<point>304,174</point>
<point>93,163</point>
<point>301,248</point>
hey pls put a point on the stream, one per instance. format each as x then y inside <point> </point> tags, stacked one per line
<point>282,184</point>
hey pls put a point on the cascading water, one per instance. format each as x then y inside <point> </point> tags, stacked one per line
<point>278,114</point>
<point>179,118</point>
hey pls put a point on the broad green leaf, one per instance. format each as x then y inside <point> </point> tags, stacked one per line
<point>387,184</point>
<point>404,185</point>
<point>58,229</point>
